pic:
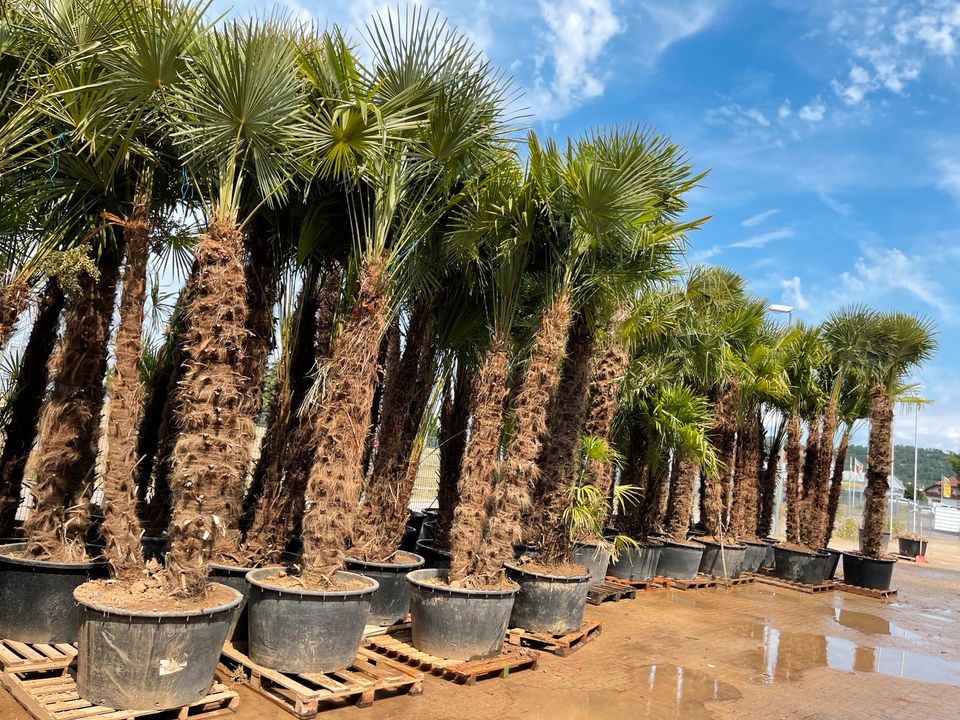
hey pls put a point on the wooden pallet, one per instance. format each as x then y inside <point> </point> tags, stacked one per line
<point>657,583</point>
<point>908,558</point>
<point>609,592</point>
<point>306,694</point>
<point>399,646</point>
<point>700,582</point>
<point>35,657</point>
<point>369,630</point>
<point>560,645</point>
<point>825,586</point>
<point>866,592</point>
<point>53,696</point>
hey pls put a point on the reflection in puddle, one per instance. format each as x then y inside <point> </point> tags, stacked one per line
<point>785,656</point>
<point>666,683</point>
<point>871,624</point>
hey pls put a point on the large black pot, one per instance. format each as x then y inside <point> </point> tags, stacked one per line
<point>594,557</point>
<point>531,550</point>
<point>769,560</point>
<point>36,597</point>
<point>391,602</point>
<point>637,563</point>
<point>133,660</point>
<point>457,623</point>
<point>910,547</point>
<point>548,603</point>
<point>799,566</point>
<point>415,521</point>
<point>873,573</point>
<point>306,631</point>
<point>680,561</point>
<point>410,537</point>
<point>722,561</point>
<point>830,567</point>
<point>755,555</point>
<point>433,556</point>
<point>235,577</point>
<point>154,548</point>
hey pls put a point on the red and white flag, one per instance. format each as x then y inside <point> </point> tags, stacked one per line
<point>857,467</point>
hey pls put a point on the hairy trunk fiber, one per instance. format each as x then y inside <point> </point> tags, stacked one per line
<point>811,468</point>
<point>631,521</point>
<point>212,450</point>
<point>836,484</point>
<point>681,496</point>
<point>340,428</point>
<point>478,469</point>
<point>70,421</point>
<point>674,489</point>
<point>14,298</point>
<point>261,277</point>
<point>749,452</point>
<point>768,486</point>
<point>558,461</point>
<point>604,400</point>
<point>388,361</point>
<point>384,510</point>
<point>817,497</point>
<point>716,489</point>
<point>878,471</point>
<point>452,438</point>
<point>741,488</point>
<point>24,410</point>
<point>792,481</point>
<point>121,526</point>
<point>655,497</point>
<point>531,411</point>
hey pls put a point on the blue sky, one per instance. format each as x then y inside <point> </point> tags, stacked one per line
<point>830,131</point>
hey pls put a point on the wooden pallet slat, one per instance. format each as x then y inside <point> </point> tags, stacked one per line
<point>304,695</point>
<point>56,698</point>
<point>35,657</point>
<point>826,586</point>
<point>866,592</point>
<point>559,645</point>
<point>651,585</point>
<point>700,582</point>
<point>609,592</point>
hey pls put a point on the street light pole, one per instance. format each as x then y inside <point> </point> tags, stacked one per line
<point>916,452</point>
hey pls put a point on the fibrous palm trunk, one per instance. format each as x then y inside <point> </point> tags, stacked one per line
<point>682,498</point>
<point>24,410</point>
<point>749,452</point>
<point>768,485</point>
<point>741,487</point>
<point>121,525</point>
<point>388,360</point>
<point>631,520</point>
<point>340,428</point>
<point>455,412</point>
<point>14,299</point>
<point>878,471</point>
<point>213,448</point>
<point>817,496</point>
<point>811,469</point>
<point>385,506</point>
<point>531,411</point>
<point>836,483</point>
<point>792,481</point>
<point>70,421</point>
<point>558,461</point>
<point>478,469</point>
<point>716,489</point>
<point>674,489</point>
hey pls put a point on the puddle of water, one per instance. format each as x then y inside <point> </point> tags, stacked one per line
<point>681,686</point>
<point>871,624</point>
<point>786,656</point>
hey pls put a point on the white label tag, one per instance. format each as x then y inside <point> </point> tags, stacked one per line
<point>169,666</point>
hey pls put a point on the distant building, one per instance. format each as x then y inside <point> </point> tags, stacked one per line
<point>946,491</point>
<point>856,483</point>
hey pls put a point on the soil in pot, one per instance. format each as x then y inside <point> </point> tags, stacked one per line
<point>680,560</point>
<point>797,564</point>
<point>391,602</point>
<point>458,623</point>
<point>141,649</point>
<point>755,555</point>
<point>433,556</point>
<point>873,573</point>
<point>593,556</point>
<point>639,563</point>
<point>293,629</point>
<point>36,597</point>
<point>724,560</point>
<point>550,600</point>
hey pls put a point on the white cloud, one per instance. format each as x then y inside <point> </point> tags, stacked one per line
<point>840,208</point>
<point>739,116</point>
<point>812,112</point>
<point>784,112</point>
<point>949,170</point>
<point>793,295</point>
<point>755,220</point>
<point>678,21</point>
<point>761,240</point>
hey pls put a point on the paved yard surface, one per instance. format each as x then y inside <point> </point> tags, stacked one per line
<point>746,652</point>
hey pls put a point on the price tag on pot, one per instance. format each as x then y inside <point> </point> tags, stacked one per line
<point>168,666</point>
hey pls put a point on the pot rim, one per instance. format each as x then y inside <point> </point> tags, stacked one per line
<point>124,612</point>
<point>431,546</point>
<point>811,553</point>
<point>442,589</point>
<point>371,588</point>
<point>726,546</point>
<point>31,562</point>
<point>863,558</point>
<point>568,579</point>
<point>388,566</point>
<point>754,543</point>
<point>691,544</point>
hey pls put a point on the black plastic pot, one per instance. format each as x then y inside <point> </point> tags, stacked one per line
<point>457,623</point>
<point>305,631</point>
<point>154,548</point>
<point>410,537</point>
<point>874,573</point>
<point>531,550</point>
<point>910,547</point>
<point>133,660</point>
<point>415,521</point>
<point>428,530</point>
<point>830,567</point>
<point>639,563</point>
<point>593,557</point>
<point>797,566</point>
<point>769,560</point>
<point>548,603</point>
<point>391,602</point>
<point>755,555</point>
<point>680,561</point>
<point>36,597</point>
<point>235,577</point>
<point>722,561</point>
<point>433,556</point>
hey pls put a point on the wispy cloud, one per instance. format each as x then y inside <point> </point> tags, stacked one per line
<point>813,111</point>
<point>739,116</point>
<point>677,21</point>
<point>792,293</point>
<point>761,240</point>
<point>759,218</point>
<point>948,168</point>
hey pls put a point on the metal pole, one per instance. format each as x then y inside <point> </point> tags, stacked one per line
<point>916,425</point>
<point>893,465</point>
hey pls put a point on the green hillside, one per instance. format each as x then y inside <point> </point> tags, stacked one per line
<point>932,464</point>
